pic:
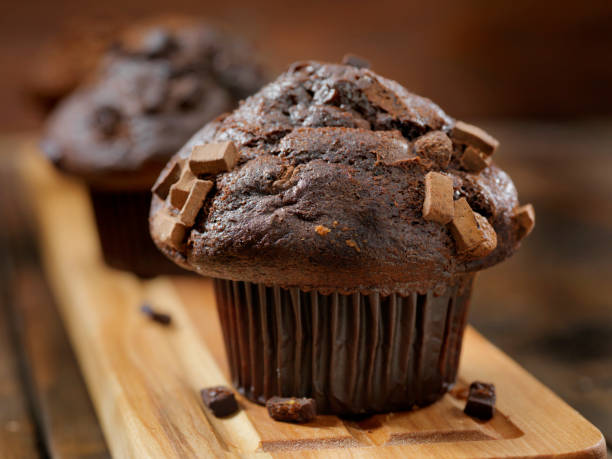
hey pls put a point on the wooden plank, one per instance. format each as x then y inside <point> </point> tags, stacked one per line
<point>63,410</point>
<point>68,421</point>
<point>18,436</point>
<point>144,378</point>
<point>17,429</point>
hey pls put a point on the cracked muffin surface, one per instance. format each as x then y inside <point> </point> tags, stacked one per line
<point>328,189</point>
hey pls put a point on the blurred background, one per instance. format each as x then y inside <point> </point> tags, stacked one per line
<point>536,75</point>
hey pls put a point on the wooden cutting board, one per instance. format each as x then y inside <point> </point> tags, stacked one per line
<point>145,379</point>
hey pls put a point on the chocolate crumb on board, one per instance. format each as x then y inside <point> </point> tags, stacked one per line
<point>355,61</point>
<point>292,409</point>
<point>481,401</point>
<point>155,316</point>
<point>220,400</point>
<point>322,230</point>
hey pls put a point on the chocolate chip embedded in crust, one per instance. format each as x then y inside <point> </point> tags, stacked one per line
<point>481,401</point>
<point>180,190</point>
<point>168,178</point>
<point>106,120</point>
<point>213,158</point>
<point>186,92</point>
<point>473,160</point>
<point>220,400</point>
<point>525,217</point>
<point>194,201</point>
<point>472,135</point>
<point>356,61</point>
<point>168,229</point>
<point>292,409</point>
<point>473,233</point>
<point>438,205</point>
<point>435,146</point>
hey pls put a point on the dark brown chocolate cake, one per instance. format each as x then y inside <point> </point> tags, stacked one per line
<point>158,84</point>
<point>344,218</point>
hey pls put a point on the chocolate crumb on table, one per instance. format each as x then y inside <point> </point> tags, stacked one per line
<point>155,316</point>
<point>220,400</point>
<point>292,409</point>
<point>481,401</point>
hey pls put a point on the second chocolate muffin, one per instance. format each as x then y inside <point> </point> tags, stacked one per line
<point>343,218</point>
<point>160,81</point>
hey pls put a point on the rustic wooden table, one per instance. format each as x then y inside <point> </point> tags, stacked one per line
<point>548,307</point>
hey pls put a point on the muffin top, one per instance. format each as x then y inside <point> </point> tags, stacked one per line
<point>337,179</point>
<point>158,83</point>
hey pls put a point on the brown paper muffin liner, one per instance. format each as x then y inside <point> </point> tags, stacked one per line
<point>122,218</point>
<point>352,353</point>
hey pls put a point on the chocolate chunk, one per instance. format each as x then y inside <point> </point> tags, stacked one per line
<point>168,178</point>
<point>186,92</point>
<point>438,204</point>
<point>212,158</point>
<point>220,400</point>
<point>473,233</point>
<point>180,190</point>
<point>472,135</point>
<point>159,317</point>
<point>169,229</point>
<point>481,401</point>
<point>292,409</point>
<point>194,201</point>
<point>435,146</point>
<point>152,94</point>
<point>474,160</point>
<point>356,61</point>
<point>525,218</point>
<point>106,120</point>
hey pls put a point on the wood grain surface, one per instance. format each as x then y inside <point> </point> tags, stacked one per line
<point>144,378</point>
<point>63,423</point>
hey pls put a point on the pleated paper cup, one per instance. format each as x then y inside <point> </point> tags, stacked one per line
<point>359,353</point>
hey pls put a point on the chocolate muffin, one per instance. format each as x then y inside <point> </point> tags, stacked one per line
<point>157,85</point>
<point>344,219</point>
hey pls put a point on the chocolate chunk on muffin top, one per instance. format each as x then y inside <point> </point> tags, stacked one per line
<point>328,189</point>
<point>158,83</point>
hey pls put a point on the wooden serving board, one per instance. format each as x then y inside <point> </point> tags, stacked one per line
<point>145,379</point>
